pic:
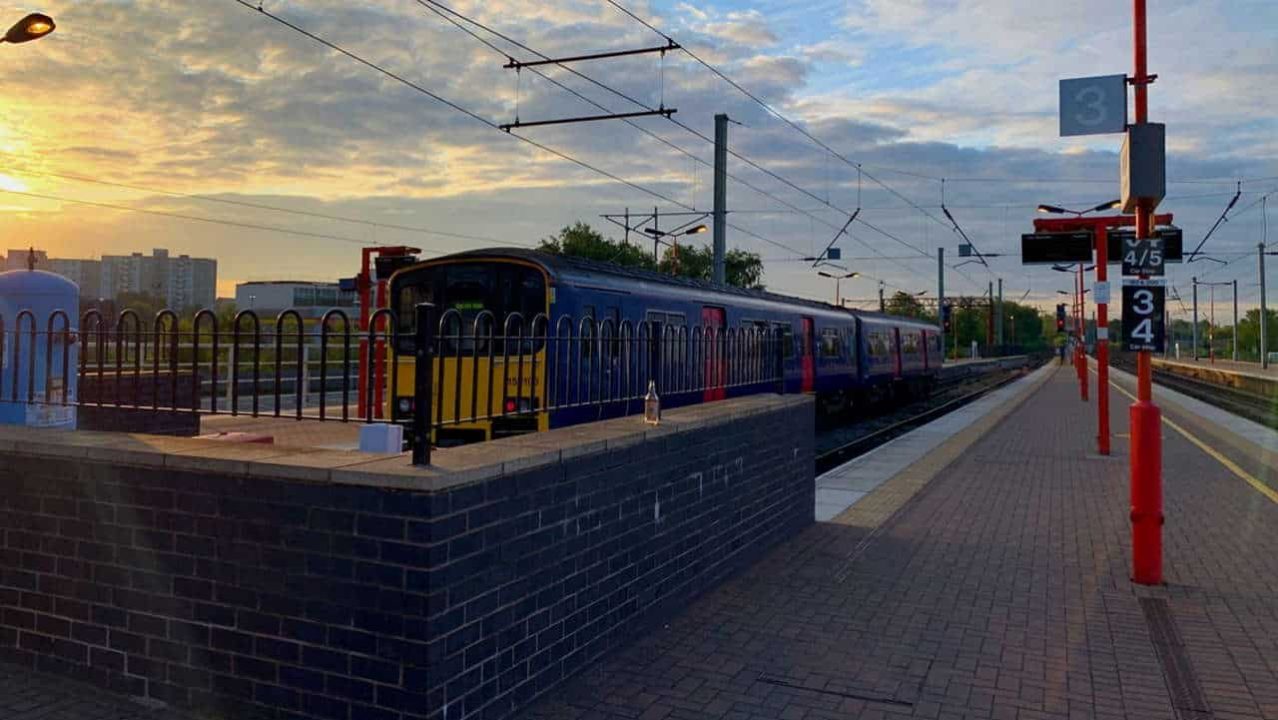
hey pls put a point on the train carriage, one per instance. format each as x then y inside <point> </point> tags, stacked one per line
<point>528,341</point>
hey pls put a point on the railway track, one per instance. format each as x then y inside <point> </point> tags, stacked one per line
<point>1257,408</point>
<point>837,445</point>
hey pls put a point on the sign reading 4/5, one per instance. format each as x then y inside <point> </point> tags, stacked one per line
<point>1143,257</point>
<point>1143,303</point>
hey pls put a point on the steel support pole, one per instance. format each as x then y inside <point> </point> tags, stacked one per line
<point>989,319</point>
<point>1194,280</point>
<point>1264,311</point>
<point>423,377</point>
<point>1102,344</point>
<point>882,304</point>
<point>656,238</point>
<point>1211,323</point>
<point>998,327</point>
<point>720,197</point>
<point>1146,459</point>
<point>940,294</point>
<point>1235,320</point>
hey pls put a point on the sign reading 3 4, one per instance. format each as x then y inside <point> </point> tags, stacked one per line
<point>1143,315</point>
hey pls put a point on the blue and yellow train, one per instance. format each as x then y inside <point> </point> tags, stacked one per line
<point>518,330</point>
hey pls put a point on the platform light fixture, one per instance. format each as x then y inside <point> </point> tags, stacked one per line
<point>1055,210</point>
<point>31,27</point>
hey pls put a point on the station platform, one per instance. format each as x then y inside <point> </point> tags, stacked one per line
<point>1242,368</point>
<point>1244,376</point>
<point>989,579</point>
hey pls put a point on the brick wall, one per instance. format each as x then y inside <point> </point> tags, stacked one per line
<point>257,596</point>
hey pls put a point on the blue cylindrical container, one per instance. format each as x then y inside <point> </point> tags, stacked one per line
<point>39,360</point>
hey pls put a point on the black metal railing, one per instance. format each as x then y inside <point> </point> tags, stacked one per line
<point>468,369</point>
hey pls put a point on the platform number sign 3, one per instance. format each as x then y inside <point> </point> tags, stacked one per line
<point>1093,105</point>
<point>1142,257</point>
<point>1143,303</point>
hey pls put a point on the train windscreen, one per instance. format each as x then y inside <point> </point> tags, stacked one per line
<point>469,289</point>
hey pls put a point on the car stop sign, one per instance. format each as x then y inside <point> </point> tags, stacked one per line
<point>1143,257</point>
<point>1143,313</point>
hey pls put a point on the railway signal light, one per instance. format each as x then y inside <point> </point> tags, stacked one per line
<point>1060,317</point>
<point>945,317</point>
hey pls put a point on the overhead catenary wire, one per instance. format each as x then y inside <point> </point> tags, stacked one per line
<point>457,19</point>
<point>253,205</point>
<point>455,106</point>
<point>773,111</point>
<point>1224,217</point>
<point>193,218</point>
<point>783,118</point>
<point>453,16</point>
<point>478,118</point>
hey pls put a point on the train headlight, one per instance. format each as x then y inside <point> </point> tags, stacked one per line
<point>405,405</point>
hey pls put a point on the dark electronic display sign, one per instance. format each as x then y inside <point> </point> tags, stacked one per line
<point>1056,248</point>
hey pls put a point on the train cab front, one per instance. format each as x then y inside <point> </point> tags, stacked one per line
<point>489,335</point>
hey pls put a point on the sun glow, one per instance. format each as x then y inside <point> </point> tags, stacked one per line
<point>8,182</point>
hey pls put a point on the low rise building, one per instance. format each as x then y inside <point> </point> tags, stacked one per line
<point>310,299</point>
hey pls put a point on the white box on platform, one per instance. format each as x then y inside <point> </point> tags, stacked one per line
<point>381,438</point>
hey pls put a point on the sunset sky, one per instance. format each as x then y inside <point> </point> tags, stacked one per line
<point>214,99</point>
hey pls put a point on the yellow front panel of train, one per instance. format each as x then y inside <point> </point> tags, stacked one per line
<point>462,396</point>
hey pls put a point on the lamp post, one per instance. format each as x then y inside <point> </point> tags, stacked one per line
<point>658,236</point>
<point>1054,210</point>
<point>31,27</point>
<point>838,279</point>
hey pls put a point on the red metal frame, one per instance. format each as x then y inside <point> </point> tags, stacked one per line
<point>1099,227</point>
<point>364,282</point>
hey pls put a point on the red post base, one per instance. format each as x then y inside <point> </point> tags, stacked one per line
<point>1102,396</point>
<point>1147,493</point>
<point>1082,374</point>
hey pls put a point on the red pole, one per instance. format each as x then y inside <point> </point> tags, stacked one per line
<point>1146,440</point>
<point>1078,343</point>
<point>1102,343</point>
<point>1082,332</point>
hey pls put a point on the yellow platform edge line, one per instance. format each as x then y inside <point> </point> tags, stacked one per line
<point>1230,465</point>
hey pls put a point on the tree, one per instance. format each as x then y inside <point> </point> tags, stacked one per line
<point>904,304</point>
<point>743,269</point>
<point>581,240</point>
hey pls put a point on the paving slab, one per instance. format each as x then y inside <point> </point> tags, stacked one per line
<point>839,488</point>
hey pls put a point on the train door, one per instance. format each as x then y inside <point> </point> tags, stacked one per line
<point>897,350</point>
<point>923,348</point>
<point>809,368</point>
<point>713,324</point>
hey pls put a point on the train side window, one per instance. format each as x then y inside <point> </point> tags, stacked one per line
<point>878,345</point>
<point>829,343</point>
<point>612,347</point>
<point>787,338</point>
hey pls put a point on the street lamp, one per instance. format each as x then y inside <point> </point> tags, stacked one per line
<point>1054,210</point>
<point>690,231</point>
<point>31,27</point>
<point>657,236</point>
<point>838,279</point>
